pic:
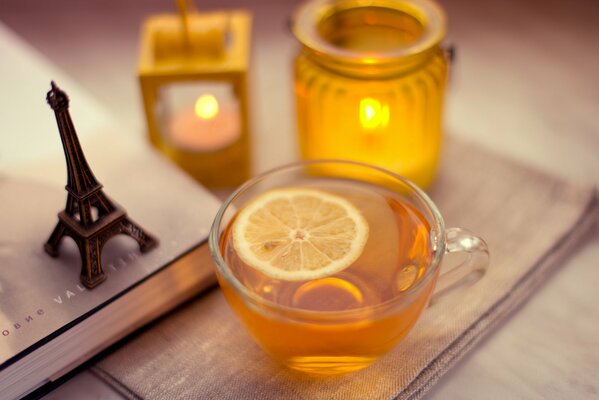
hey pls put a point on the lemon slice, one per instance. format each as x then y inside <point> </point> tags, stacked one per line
<point>299,234</point>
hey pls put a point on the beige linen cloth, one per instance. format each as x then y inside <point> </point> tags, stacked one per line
<point>530,221</point>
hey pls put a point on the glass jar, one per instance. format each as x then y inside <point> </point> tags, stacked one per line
<point>369,83</point>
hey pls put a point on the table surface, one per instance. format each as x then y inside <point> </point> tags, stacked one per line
<point>524,84</point>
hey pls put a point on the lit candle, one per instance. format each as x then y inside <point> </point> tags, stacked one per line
<point>374,138</point>
<point>373,114</point>
<point>208,126</point>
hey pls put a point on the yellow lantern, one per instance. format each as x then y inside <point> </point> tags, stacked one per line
<point>370,81</point>
<point>193,75</point>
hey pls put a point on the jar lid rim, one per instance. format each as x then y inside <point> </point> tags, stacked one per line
<point>307,18</point>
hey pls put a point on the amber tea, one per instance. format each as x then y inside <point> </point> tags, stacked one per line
<point>303,230</point>
<point>329,264</point>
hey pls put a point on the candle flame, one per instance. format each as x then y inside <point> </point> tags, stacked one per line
<point>373,114</point>
<point>206,106</point>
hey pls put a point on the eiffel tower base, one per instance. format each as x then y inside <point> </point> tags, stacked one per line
<point>90,241</point>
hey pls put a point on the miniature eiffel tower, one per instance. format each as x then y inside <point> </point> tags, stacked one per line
<point>90,217</point>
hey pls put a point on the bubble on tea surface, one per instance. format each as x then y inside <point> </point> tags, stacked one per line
<point>406,277</point>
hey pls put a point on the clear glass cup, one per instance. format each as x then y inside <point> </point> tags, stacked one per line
<point>378,298</point>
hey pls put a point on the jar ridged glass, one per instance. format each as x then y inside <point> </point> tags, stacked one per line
<point>369,83</point>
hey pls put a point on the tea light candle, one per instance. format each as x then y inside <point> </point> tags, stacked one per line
<point>208,126</point>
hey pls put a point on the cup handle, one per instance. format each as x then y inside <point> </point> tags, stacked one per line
<point>467,272</point>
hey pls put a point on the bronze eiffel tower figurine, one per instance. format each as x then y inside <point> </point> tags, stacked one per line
<point>90,218</point>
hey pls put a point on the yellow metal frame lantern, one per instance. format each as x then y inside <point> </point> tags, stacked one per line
<point>206,47</point>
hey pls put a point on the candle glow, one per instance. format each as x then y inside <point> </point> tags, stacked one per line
<point>205,125</point>
<point>373,114</point>
<point>206,107</point>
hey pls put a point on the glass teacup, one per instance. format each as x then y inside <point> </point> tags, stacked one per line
<point>329,264</point>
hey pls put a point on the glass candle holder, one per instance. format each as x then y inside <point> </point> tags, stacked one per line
<point>369,83</point>
<point>193,76</point>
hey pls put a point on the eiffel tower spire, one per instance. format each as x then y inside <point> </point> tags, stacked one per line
<point>84,195</point>
<point>80,178</point>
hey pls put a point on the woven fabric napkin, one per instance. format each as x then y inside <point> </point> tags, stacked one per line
<point>530,221</point>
